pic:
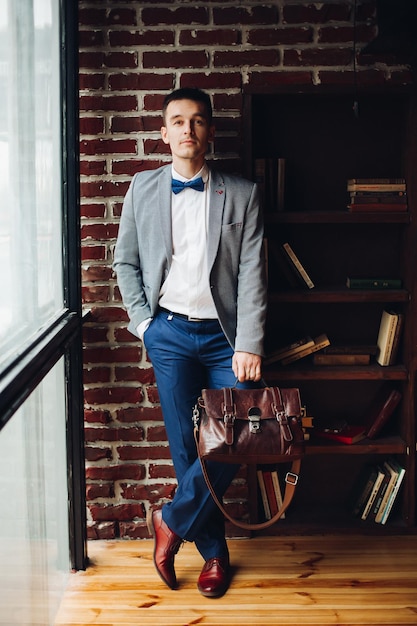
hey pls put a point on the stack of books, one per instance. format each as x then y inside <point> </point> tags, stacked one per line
<point>377,491</point>
<point>389,337</point>
<point>298,349</point>
<point>268,477</point>
<point>377,194</point>
<point>270,491</point>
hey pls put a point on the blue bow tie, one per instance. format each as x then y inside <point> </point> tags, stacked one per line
<point>197,184</point>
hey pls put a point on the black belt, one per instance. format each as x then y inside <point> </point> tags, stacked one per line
<point>188,318</point>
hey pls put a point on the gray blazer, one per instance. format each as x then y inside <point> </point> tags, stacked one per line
<point>235,257</point>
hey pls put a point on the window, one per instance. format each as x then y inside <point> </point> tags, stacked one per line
<point>42,488</point>
<point>31,181</point>
<point>34,537</point>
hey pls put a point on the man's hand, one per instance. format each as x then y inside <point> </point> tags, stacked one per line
<point>247,366</point>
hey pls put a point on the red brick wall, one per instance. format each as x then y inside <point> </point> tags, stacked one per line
<point>131,55</point>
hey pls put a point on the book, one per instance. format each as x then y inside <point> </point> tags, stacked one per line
<point>386,334</point>
<point>376,181</point>
<point>260,179</point>
<point>341,359</point>
<point>387,487</point>
<point>370,348</point>
<point>376,184</point>
<point>264,496</point>
<point>296,346</point>
<point>362,489</point>
<point>348,434</point>
<point>400,476</point>
<point>320,342</point>
<point>379,496</point>
<point>373,283</point>
<point>270,493</point>
<point>298,265</point>
<point>277,489</point>
<point>396,340</point>
<point>377,187</point>
<point>365,197</point>
<point>377,206</point>
<point>269,173</point>
<point>381,409</point>
<point>285,266</point>
<point>373,493</point>
<point>280,201</point>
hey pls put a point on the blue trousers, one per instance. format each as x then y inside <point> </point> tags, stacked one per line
<point>187,357</point>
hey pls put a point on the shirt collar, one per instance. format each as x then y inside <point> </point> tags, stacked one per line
<point>204,173</point>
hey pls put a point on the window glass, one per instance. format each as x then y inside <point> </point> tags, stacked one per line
<point>30,165</point>
<point>34,537</point>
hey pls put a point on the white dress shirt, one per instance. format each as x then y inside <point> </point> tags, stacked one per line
<point>186,289</point>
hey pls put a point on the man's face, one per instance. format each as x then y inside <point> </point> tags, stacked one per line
<point>187,130</point>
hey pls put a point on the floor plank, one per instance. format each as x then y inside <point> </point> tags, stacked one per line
<point>342,580</point>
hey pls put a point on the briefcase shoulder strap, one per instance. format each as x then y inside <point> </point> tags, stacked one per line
<point>291,480</point>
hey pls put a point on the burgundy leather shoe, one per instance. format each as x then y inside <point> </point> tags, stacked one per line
<point>214,579</point>
<point>166,547</point>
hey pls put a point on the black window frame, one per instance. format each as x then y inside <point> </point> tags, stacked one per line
<point>62,337</point>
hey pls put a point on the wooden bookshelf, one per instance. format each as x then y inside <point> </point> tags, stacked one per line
<point>324,145</point>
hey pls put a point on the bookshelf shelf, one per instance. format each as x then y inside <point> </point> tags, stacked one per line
<point>335,217</point>
<point>388,445</point>
<point>341,295</point>
<point>315,144</point>
<point>302,371</point>
<point>333,520</point>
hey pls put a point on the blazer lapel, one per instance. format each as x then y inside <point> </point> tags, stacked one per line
<point>164,210</point>
<point>216,204</point>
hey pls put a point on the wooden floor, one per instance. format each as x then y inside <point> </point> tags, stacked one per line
<point>320,580</point>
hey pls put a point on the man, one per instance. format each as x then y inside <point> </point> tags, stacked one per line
<point>190,269</point>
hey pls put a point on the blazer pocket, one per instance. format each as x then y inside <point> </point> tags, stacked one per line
<point>232,227</point>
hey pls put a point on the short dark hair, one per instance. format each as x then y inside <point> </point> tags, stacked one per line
<point>189,93</point>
